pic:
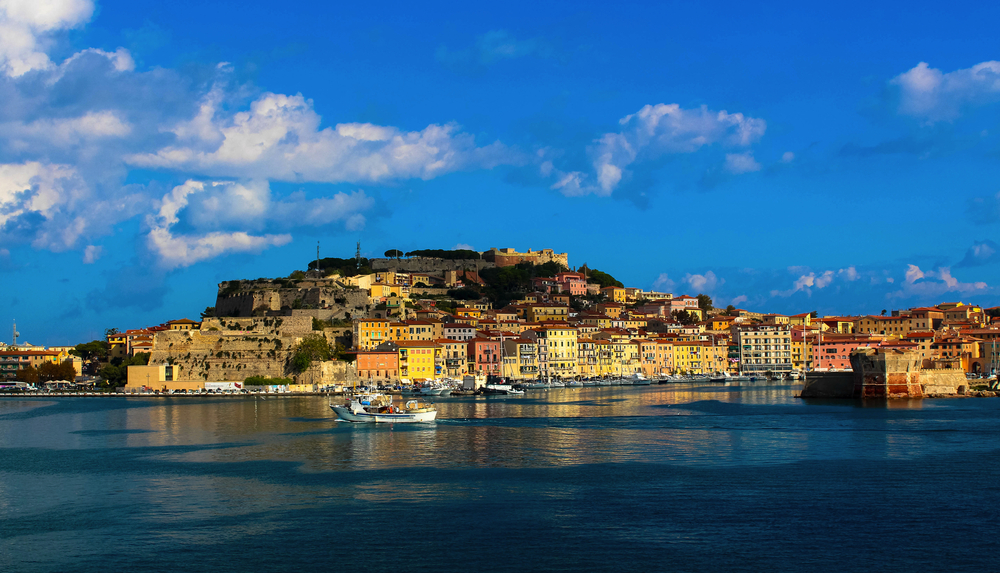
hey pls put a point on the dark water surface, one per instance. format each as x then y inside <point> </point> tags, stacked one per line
<point>661,478</point>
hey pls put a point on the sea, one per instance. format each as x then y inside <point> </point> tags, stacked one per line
<point>678,477</point>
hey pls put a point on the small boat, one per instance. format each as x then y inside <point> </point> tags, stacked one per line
<point>557,384</point>
<point>574,384</point>
<point>375,407</point>
<point>590,382</point>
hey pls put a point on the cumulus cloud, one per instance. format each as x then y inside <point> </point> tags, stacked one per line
<point>280,137</point>
<point>787,157</point>
<point>980,253</point>
<point>738,300</point>
<point>28,27</point>
<point>929,284</point>
<point>664,283</point>
<point>931,95</point>
<point>91,254</point>
<point>741,162</point>
<point>184,250</point>
<point>706,283</point>
<point>808,280</point>
<point>651,133</point>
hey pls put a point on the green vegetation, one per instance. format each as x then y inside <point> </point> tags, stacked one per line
<point>313,348</point>
<point>344,267</point>
<point>47,372</point>
<point>90,350</point>
<point>209,312</point>
<point>603,279</point>
<point>684,317</point>
<point>265,381</point>
<point>116,375</point>
<point>393,254</point>
<point>705,302</point>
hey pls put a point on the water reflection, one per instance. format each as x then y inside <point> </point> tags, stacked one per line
<point>690,424</point>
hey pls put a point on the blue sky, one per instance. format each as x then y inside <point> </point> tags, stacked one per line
<point>786,158</point>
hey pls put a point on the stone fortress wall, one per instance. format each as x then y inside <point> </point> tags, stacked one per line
<point>429,265</point>
<point>233,349</point>
<point>263,297</point>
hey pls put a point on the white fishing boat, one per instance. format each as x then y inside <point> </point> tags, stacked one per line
<point>574,384</point>
<point>375,407</point>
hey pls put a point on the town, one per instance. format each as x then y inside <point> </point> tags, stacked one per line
<point>428,315</point>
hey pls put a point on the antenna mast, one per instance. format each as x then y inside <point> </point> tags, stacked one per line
<point>317,259</point>
<point>16,334</point>
<point>357,256</point>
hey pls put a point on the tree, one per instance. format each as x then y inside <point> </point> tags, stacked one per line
<point>684,317</point>
<point>814,314</point>
<point>94,350</point>
<point>730,310</point>
<point>705,302</point>
<point>311,349</point>
<point>883,312</point>
<point>297,275</point>
<point>209,312</point>
<point>50,371</point>
<point>603,279</point>
<point>393,254</point>
<point>27,374</point>
<point>110,331</point>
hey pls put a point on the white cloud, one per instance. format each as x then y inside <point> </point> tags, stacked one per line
<point>705,283</point>
<point>222,212</point>
<point>463,246</point>
<point>913,274</point>
<point>807,282</point>
<point>664,283</point>
<point>63,132</point>
<point>181,251</point>
<point>931,95</point>
<point>280,138</point>
<point>738,300</point>
<point>655,131</point>
<point>850,273</point>
<point>27,28</point>
<point>787,157</point>
<point>929,284</point>
<point>741,162</point>
<point>91,254</point>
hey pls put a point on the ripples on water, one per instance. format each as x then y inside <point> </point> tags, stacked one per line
<point>683,478</point>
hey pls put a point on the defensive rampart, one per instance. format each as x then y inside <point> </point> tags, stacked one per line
<point>429,265</point>
<point>260,297</point>
<point>233,349</point>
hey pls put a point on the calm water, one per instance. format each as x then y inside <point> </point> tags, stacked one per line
<point>678,478</point>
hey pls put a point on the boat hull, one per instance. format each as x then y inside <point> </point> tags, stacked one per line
<point>347,415</point>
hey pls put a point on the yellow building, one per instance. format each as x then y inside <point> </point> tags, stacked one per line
<point>546,312</point>
<point>625,357</point>
<point>601,321</point>
<point>690,357</point>
<point>557,350</point>
<point>520,358</point>
<point>616,294</point>
<point>455,356</point>
<point>468,311</point>
<point>420,359</point>
<point>369,333</point>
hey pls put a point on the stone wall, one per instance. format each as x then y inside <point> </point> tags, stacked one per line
<point>828,385</point>
<point>886,373</point>
<point>428,265</point>
<point>257,298</point>
<point>233,349</point>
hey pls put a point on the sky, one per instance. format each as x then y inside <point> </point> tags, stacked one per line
<point>782,158</point>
